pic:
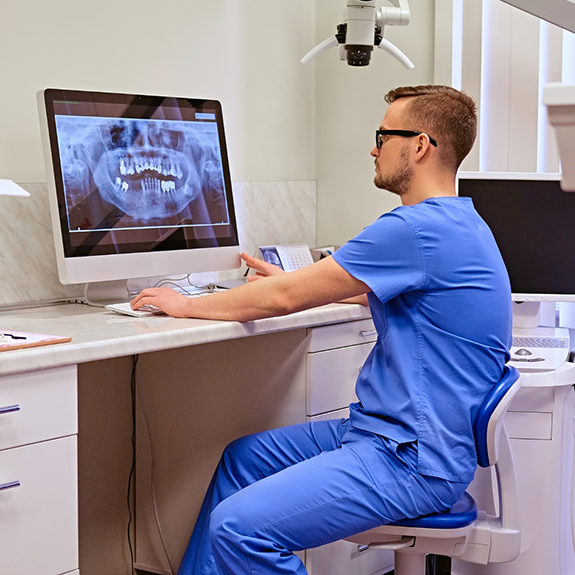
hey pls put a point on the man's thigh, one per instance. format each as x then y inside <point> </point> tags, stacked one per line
<point>254,457</point>
<point>338,492</point>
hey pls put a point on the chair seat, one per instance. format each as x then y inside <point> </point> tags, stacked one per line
<point>461,514</point>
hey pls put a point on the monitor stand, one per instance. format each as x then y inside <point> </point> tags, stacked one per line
<point>100,294</point>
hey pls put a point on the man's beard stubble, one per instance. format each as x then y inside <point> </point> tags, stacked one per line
<point>400,181</point>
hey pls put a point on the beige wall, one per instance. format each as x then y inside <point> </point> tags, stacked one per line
<point>285,121</point>
<point>243,52</point>
<point>349,108</point>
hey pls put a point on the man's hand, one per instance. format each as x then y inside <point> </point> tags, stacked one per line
<point>165,298</point>
<point>263,269</point>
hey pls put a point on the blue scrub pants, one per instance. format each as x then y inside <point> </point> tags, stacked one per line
<point>300,487</point>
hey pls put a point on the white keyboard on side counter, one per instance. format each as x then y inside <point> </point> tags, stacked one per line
<point>545,348</point>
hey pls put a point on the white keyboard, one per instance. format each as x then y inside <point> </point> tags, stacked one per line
<point>126,309</point>
<point>146,310</point>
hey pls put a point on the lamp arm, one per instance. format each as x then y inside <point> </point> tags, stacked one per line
<point>394,51</point>
<point>315,52</point>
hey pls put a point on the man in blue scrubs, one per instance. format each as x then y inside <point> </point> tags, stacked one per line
<point>440,299</point>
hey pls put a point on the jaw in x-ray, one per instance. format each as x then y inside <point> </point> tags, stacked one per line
<point>148,169</point>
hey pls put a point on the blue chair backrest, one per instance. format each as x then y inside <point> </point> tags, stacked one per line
<point>489,421</point>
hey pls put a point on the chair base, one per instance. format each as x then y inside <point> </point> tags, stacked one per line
<point>409,564</point>
<point>434,565</point>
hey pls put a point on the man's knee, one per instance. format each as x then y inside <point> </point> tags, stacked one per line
<point>225,529</point>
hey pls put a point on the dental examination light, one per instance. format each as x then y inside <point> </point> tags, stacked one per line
<point>362,29</point>
<point>9,188</point>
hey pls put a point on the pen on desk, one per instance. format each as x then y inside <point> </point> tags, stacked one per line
<point>11,335</point>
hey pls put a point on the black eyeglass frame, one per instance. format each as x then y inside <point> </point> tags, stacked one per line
<point>402,133</point>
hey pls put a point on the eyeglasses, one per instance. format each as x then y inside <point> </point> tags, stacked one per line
<point>403,133</point>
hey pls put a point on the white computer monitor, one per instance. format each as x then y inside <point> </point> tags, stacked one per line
<point>139,186</point>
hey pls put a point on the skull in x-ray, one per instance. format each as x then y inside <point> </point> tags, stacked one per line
<point>149,169</point>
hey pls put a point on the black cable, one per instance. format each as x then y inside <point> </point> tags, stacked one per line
<point>133,467</point>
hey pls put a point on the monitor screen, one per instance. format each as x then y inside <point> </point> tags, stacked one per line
<point>140,185</point>
<point>533,222</point>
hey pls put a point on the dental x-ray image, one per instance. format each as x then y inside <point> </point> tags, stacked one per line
<point>125,173</point>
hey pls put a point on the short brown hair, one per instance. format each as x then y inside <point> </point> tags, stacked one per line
<point>446,114</point>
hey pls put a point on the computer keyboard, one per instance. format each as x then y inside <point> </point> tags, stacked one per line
<point>126,309</point>
<point>541,342</point>
<point>147,310</point>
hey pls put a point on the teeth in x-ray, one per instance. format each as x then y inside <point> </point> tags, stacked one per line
<point>132,166</point>
<point>121,185</point>
<point>168,186</point>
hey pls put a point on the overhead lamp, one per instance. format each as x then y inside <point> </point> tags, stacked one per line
<point>9,188</point>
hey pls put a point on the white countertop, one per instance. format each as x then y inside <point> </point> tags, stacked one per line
<point>99,334</point>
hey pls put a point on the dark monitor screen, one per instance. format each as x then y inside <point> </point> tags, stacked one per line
<point>533,222</point>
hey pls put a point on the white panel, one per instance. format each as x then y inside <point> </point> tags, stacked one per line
<point>37,406</point>
<point>471,67</point>
<point>39,518</point>
<point>568,68</point>
<point>495,87</point>
<point>550,70</point>
<point>445,31</point>
<point>521,425</point>
<point>344,558</point>
<point>523,77</point>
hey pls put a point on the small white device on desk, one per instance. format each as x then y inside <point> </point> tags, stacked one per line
<point>289,257</point>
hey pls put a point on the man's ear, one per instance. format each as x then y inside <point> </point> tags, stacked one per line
<point>422,147</point>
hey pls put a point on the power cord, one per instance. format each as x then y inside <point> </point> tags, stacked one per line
<point>133,466</point>
<point>138,392</point>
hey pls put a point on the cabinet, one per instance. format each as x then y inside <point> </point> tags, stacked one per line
<point>38,473</point>
<point>334,359</point>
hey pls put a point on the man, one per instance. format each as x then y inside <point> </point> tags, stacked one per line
<point>441,303</point>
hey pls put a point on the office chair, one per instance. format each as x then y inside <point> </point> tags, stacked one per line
<point>463,531</point>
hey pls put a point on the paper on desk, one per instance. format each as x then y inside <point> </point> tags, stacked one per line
<point>32,340</point>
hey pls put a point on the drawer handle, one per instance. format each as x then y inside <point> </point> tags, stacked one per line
<point>368,332</point>
<point>9,409</point>
<point>9,485</point>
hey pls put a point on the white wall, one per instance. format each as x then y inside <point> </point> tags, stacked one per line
<point>243,52</point>
<point>285,121</point>
<point>349,108</point>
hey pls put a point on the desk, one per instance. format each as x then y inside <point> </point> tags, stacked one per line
<point>200,384</point>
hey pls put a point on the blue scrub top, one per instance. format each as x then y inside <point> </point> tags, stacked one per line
<point>441,302</point>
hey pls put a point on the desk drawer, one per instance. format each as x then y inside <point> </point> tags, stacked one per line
<point>331,377</point>
<point>342,334</point>
<point>39,517</point>
<point>37,406</point>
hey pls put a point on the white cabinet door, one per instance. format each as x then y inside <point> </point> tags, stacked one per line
<point>336,355</point>
<point>39,509</point>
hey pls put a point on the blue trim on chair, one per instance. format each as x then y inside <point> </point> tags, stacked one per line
<point>462,514</point>
<point>509,377</point>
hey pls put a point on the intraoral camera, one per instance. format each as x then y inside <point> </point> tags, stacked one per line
<point>362,29</point>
